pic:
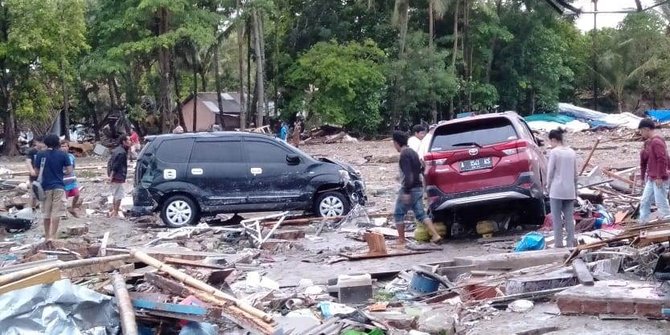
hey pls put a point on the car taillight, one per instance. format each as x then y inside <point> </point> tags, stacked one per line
<point>513,148</point>
<point>436,158</point>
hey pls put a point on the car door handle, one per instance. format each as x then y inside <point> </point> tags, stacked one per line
<point>256,171</point>
<point>197,172</point>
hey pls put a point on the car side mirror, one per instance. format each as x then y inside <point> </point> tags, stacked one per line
<point>292,159</point>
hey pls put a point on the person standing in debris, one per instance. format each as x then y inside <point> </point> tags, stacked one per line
<point>135,144</point>
<point>410,196</point>
<point>117,170</point>
<point>562,183</point>
<point>297,130</point>
<point>37,145</point>
<point>55,164</point>
<point>414,142</point>
<point>654,166</point>
<point>71,186</point>
<point>283,131</point>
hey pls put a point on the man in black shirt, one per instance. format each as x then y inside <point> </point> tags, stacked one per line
<point>37,145</point>
<point>117,170</point>
<point>410,196</point>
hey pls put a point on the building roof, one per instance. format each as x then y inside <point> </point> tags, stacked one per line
<point>230,102</point>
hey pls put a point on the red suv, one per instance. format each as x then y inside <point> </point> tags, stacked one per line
<point>481,165</point>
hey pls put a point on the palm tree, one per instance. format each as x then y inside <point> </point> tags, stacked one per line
<point>401,20</point>
<point>436,9</point>
<point>615,72</point>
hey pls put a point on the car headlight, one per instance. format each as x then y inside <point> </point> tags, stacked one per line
<point>344,175</point>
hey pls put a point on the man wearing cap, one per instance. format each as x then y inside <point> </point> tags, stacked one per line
<point>654,168</point>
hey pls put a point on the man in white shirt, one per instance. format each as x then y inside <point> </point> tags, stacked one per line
<point>414,142</point>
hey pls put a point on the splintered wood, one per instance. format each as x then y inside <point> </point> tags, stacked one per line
<point>376,243</point>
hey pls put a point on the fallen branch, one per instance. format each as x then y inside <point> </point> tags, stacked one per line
<point>126,311</point>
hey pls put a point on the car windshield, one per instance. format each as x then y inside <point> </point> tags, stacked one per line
<point>481,132</point>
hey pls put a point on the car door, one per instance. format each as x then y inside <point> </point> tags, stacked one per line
<point>218,169</point>
<point>537,155</point>
<point>275,183</point>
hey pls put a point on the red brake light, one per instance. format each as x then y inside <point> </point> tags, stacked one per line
<point>436,158</point>
<point>512,148</point>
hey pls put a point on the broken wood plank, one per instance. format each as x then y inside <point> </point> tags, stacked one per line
<point>389,253</point>
<point>45,277</point>
<point>583,274</point>
<point>249,314</point>
<point>228,310</point>
<point>126,311</point>
<point>103,245</point>
<point>539,331</point>
<point>18,275</point>
<point>196,264</point>
<point>588,158</point>
<point>376,243</point>
<point>618,177</point>
<point>91,269</point>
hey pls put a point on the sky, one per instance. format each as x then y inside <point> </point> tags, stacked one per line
<point>585,21</point>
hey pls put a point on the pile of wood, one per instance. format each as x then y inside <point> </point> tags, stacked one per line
<point>172,276</point>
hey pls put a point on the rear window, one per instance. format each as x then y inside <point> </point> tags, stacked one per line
<point>175,150</point>
<point>464,134</point>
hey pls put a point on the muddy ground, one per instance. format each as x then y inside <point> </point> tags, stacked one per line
<point>306,257</point>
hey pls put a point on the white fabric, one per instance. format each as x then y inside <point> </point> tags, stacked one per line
<point>414,143</point>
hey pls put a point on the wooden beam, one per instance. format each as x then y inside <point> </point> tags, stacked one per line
<point>583,274</point>
<point>588,158</point>
<point>126,311</point>
<point>45,277</point>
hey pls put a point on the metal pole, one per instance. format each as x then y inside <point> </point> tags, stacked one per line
<point>595,59</point>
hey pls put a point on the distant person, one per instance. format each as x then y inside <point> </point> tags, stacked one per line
<point>297,130</point>
<point>36,145</point>
<point>410,196</point>
<point>134,144</point>
<point>117,170</point>
<point>283,131</point>
<point>56,164</point>
<point>71,185</point>
<point>654,167</point>
<point>414,142</point>
<point>562,181</point>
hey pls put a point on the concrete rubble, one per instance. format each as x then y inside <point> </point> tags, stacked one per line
<point>286,273</point>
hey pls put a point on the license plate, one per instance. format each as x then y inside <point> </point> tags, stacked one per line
<point>476,164</point>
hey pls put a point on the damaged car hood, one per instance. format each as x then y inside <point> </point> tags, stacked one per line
<point>348,167</point>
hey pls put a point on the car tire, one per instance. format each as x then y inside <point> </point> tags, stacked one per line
<point>332,204</point>
<point>179,211</point>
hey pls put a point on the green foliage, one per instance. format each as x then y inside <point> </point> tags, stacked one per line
<point>347,81</point>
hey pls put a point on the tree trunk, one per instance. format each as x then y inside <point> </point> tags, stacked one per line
<point>9,136</point>
<point>240,55</point>
<point>431,36</point>
<point>164,57</point>
<point>217,83</point>
<point>195,91</point>
<point>260,80</point>
<point>180,105</point>
<point>454,50</point>
<point>250,107</point>
<point>404,22</point>
<point>112,95</point>
<point>66,103</point>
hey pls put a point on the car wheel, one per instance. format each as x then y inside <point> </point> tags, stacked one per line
<point>179,211</point>
<point>331,204</point>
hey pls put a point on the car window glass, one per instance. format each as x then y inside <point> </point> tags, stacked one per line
<point>464,134</point>
<point>526,131</point>
<point>217,152</point>
<point>175,150</point>
<point>264,152</point>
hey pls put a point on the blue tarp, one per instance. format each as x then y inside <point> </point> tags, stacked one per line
<point>659,115</point>
<point>550,117</point>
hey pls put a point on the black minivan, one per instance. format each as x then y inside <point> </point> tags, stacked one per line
<point>187,176</point>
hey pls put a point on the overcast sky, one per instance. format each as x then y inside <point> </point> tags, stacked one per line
<point>585,21</point>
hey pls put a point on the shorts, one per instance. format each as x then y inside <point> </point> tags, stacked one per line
<point>117,191</point>
<point>53,206</point>
<point>72,193</point>
<point>415,205</point>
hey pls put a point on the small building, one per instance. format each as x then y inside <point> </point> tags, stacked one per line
<point>208,111</point>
